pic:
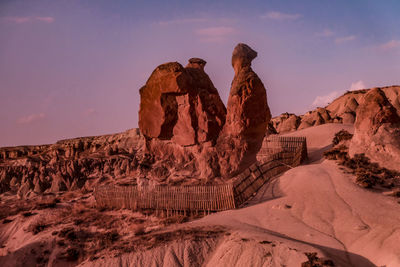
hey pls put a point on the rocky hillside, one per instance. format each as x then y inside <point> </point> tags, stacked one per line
<point>341,110</point>
<point>68,164</point>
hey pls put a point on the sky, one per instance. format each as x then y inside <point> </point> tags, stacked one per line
<point>71,68</point>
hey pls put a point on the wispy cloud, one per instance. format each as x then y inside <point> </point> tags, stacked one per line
<point>390,45</point>
<point>275,15</point>
<point>357,86</point>
<point>322,101</point>
<point>89,112</point>
<point>182,21</point>
<point>31,118</point>
<point>341,40</point>
<point>325,33</point>
<point>215,34</point>
<point>21,20</point>
<point>45,19</point>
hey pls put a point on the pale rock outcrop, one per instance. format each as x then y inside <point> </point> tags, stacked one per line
<point>286,122</point>
<point>247,116</point>
<point>393,95</point>
<point>377,130</point>
<point>314,118</point>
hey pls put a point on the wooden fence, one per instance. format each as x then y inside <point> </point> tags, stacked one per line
<point>278,154</point>
<point>168,198</point>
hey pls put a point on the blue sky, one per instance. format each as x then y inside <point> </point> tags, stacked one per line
<point>73,68</point>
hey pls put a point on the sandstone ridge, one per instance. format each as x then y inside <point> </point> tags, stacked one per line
<point>342,110</point>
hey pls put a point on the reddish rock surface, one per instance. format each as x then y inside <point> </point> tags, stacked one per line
<point>286,122</point>
<point>79,163</point>
<point>247,117</point>
<point>377,130</point>
<point>181,104</point>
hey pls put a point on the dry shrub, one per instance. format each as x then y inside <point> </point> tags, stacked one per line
<point>340,136</point>
<point>315,261</point>
<point>37,226</point>
<point>138,229</point>
<point>109,238</point>
<point>367,174</point>
<point>79,208</point>
<point>71,254</point>
<point>47,203</point>
<point>337,153</point>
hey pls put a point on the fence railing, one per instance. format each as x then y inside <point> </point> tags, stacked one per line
<point>279,155</point>
<point>169,198</point>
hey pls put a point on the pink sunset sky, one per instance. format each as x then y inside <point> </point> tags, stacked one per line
<point>74,68</point>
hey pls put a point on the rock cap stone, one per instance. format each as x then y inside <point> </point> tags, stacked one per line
<point>242,56</point>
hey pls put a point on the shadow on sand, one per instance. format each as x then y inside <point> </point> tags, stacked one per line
<point>340,257</point>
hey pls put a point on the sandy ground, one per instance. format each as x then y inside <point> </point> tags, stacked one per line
<point>317,207</point>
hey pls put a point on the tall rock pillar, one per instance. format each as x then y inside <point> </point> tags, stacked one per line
<point>247,116</point>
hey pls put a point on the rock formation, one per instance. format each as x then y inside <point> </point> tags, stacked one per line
<point>181,104</point>
<point>342,110</point>
<point>377,130</point>
<point>247,116</point>
<point>181,115</point>
<point>286,122</point>
<point>70,164</point>
<point>314,118</point>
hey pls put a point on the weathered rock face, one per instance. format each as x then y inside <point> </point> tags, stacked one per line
<point>377,130</point>
<point>314,118</point>
<point>342,110</point>
<point>181,104</point>
<point>69,164</point>
<point>181,114</point>
<point>247,117</point>
<point>286,122</point>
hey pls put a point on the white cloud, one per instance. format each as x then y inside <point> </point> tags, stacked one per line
<point>31,118</point>
<point>275,15</point>
<point>181,21</point>
<point>89,112</point>
<point>215,34</point>
<point>357,86</point>
<point>17,20</point>
<point>345,39</point>
<point>45,19</point>
<point>20,20</point>
<point>325,33</point>
<point>322,101</point>
<point>390,45</point>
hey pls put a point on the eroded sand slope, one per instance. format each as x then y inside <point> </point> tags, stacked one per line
<point>316,207</point>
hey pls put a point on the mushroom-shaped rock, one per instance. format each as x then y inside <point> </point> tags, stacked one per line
<point>181,104</point>
<point>247,116</point>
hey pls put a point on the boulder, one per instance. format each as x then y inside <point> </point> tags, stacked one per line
<point>181,104</point>
<point>377,130</point>
<point>286,122</point>
<point>314,118</point>
<point>247,116</point>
